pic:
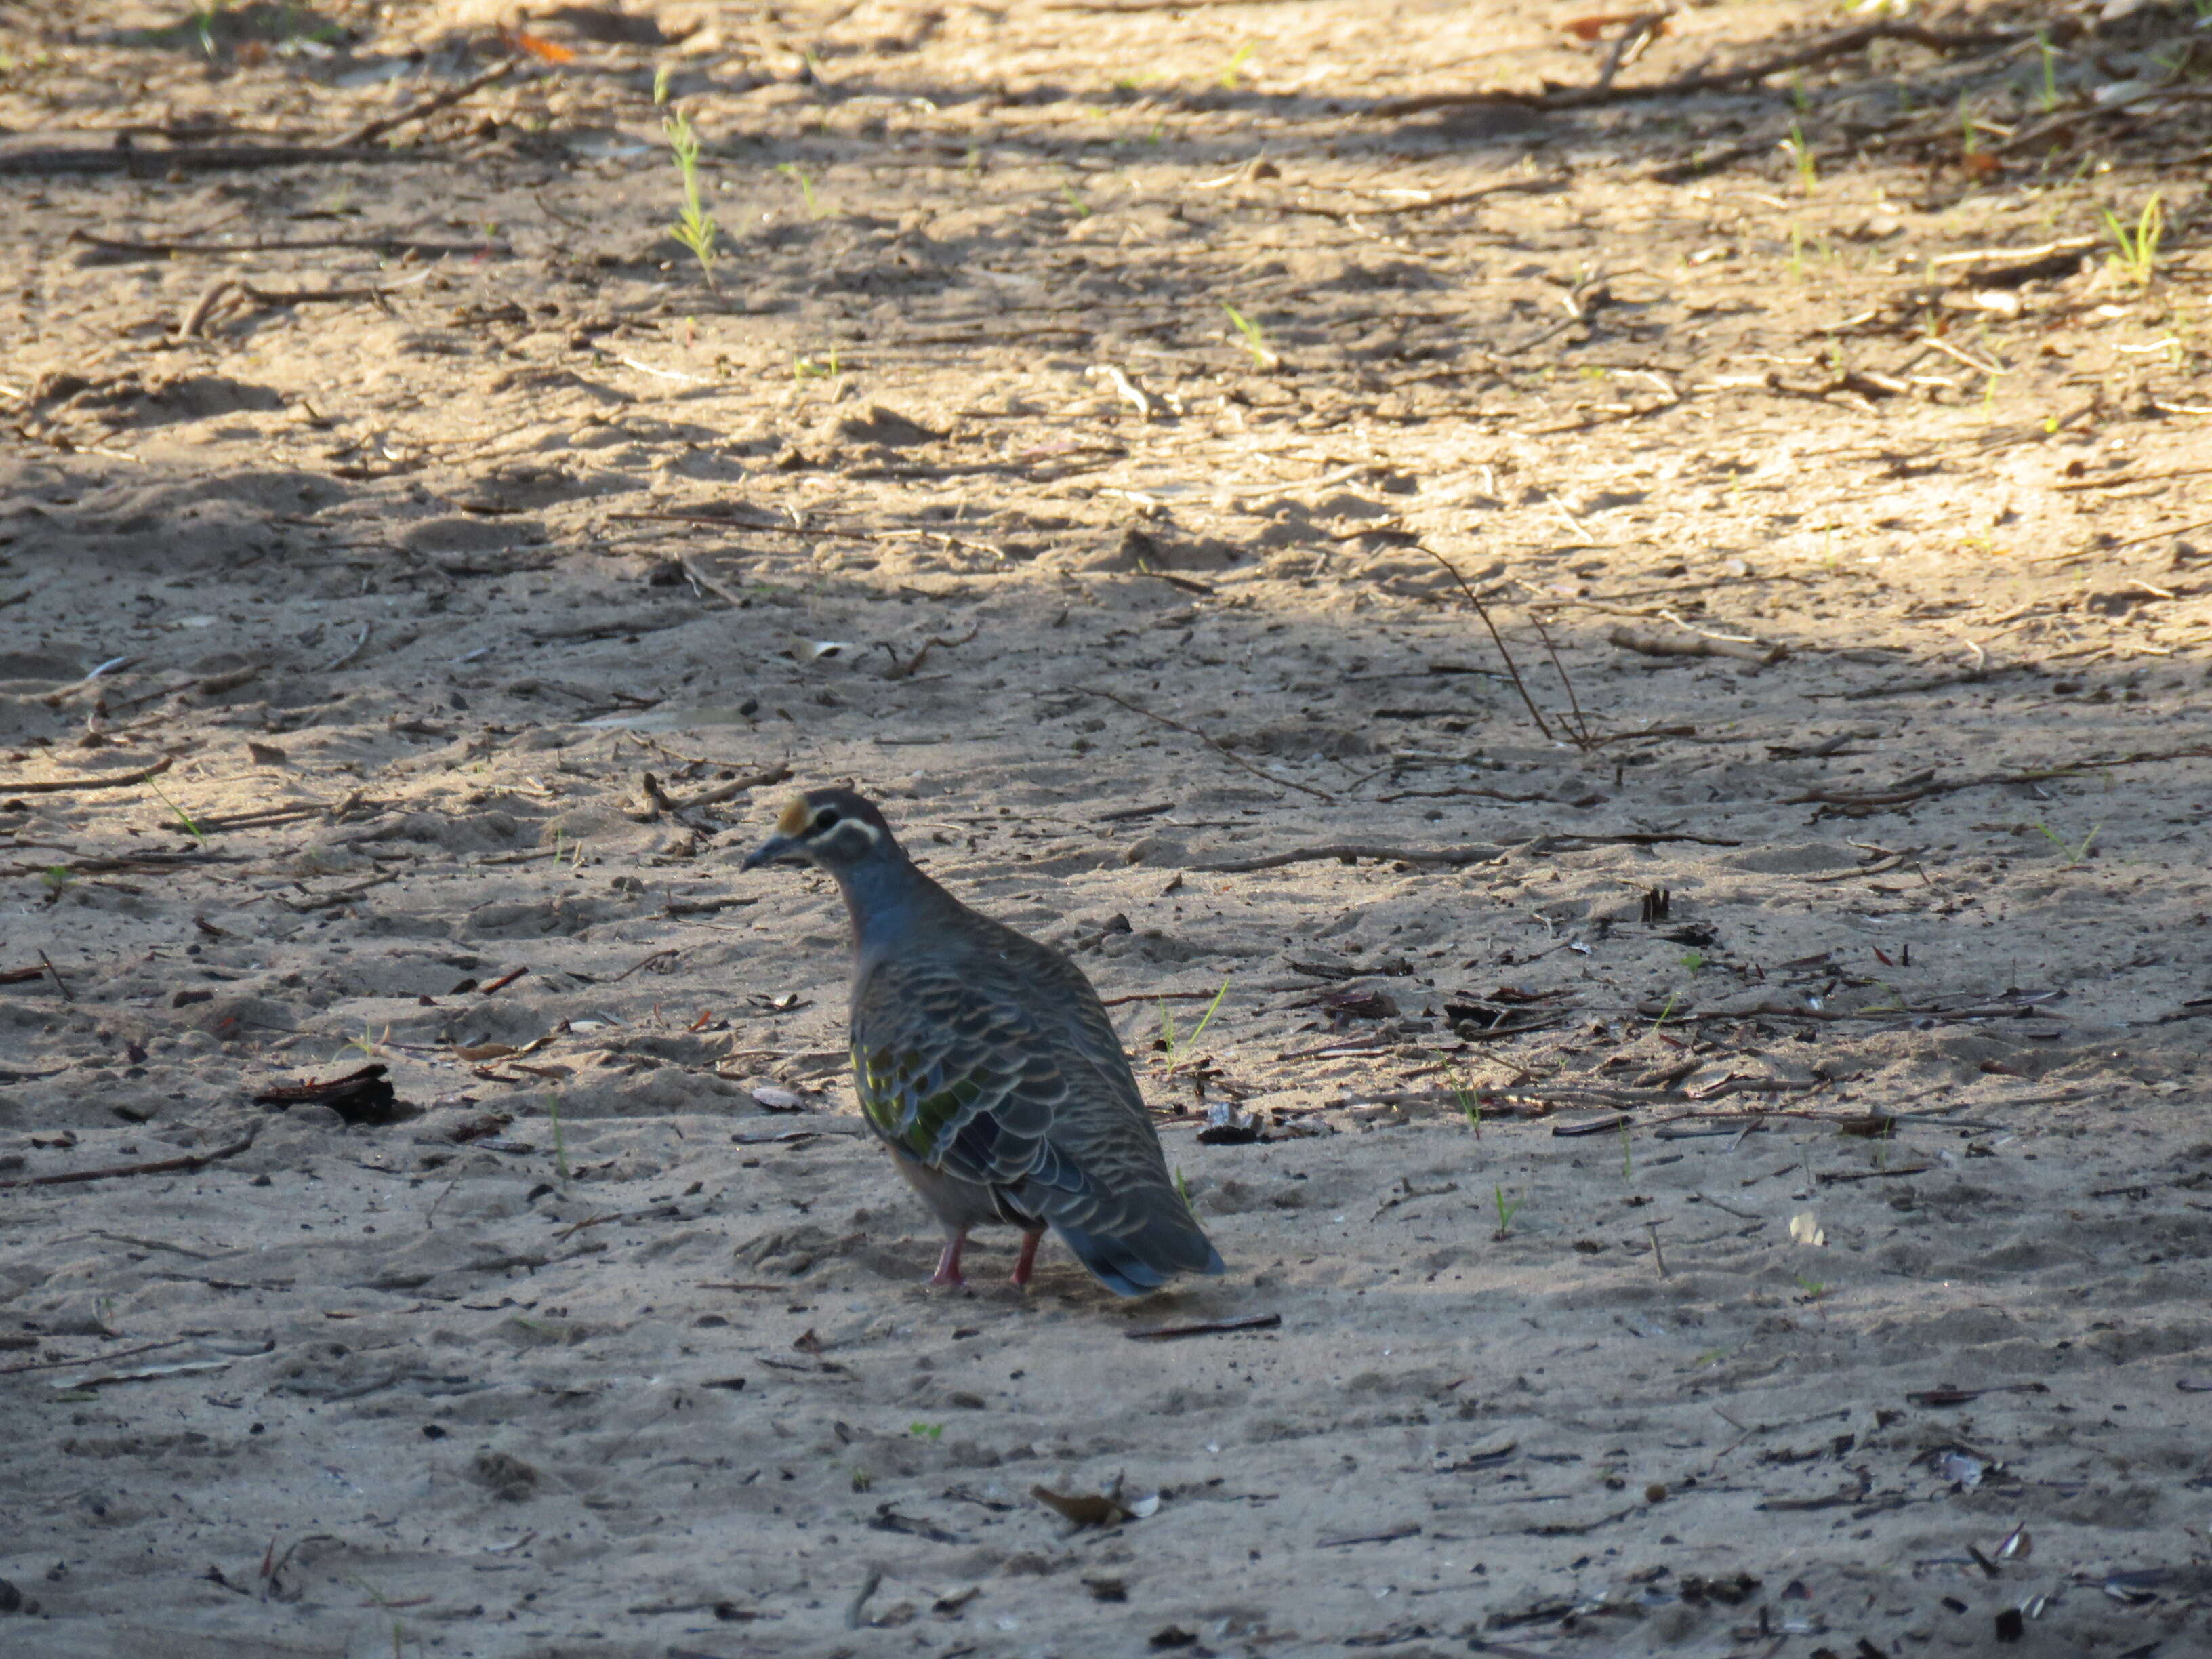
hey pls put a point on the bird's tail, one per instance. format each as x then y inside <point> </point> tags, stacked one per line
<point>1151,1239</point>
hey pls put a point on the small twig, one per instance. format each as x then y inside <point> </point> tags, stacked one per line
<point>55,974</point>
<point>1650,642</point>
<point>1497,639</point>
<point>370,131</point>
<point>102,1359</point>
<point>1229,755</point>
<point>210,299</point>
<point>1841,44</point>
<point>121,779</point>
<point>647,961</point>
<point>1205,1328</point>
<point>162,1166</point>
<point>1658,1255</point>
<point>1351,850</point>
<point>1638,31</point>
<point>354,650</point>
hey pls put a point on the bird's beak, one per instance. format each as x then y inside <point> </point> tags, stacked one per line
<point>776,849</point>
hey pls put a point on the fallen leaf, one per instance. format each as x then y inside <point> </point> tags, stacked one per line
<point>1805,1228</point>
<point>1089,1509</point>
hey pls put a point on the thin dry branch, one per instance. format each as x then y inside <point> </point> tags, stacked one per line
<point>370,131</point>
<point>58,785</point>
<point>159,1166</point>
<point>1227,754</point>
<point>1842,44</point>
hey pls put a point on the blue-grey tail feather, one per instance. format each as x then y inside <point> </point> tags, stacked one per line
<point>1136,1266</point>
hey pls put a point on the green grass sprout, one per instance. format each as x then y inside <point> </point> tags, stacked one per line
<point>2135,257</point>
<point>1507,1209</point>
<point>694,226</point>
<point>2077,853</point>
<point>1254,339</point>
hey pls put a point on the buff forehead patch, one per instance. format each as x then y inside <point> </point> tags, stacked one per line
<point>793,817</point>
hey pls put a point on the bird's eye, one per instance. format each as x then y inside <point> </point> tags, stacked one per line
<point>824,821</point>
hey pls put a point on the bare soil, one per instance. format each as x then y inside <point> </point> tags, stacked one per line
<point>1723,1136</point>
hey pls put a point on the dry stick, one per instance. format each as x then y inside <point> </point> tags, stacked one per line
<point>55,974</point>
<point>163,1166</point>
<point>1358,850</point>
<point>120,780</point>
<point>51,161</point>
<point>2118,478</point>
<point>1840,44</point>
<point>102,1359</point>
<point>2041,774</point>
<point>1582,731</point>
<point>1440,203</point>
<point>285,244</point>
<point>211,297</point>
<point>2057,123</point>
<point>1648,642</point>
<point>646,962</point>
<point>1638,30</point>
<point>780,773</point>
<point>1496,638</point>
<point>1229,755</point>
<point>376,129</point>
<point>2137,541</point>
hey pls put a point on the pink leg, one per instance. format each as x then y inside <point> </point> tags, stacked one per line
<point>948,1265</point>
<point>1027,1260</point>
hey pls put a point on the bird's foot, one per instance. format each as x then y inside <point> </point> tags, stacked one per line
<point>1025,1263</point>
<point>948,1264</point>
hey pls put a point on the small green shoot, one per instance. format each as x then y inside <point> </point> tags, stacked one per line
<point>1693,960</point>
<point>1815,1288</point>
<point>862,1480</point>
<point>1170,1042</point>
<point>1181,1187</point>
<point>1211,1009</point>
<point>2076,855</point>
<point>1665,1009</point>
<point>560,1140</point>
<point>926,1430</point>
<point>1796,265</point>
<point>2050,70</point>
<point>2136,257</point>
<point>184,819</point>
<point>792,170</point>
<point>1802,158</point>
<point>810,368</point>
<point>694,226</point>
<point>1237,59</point>
<point>368,1043</point>
<point>1068,193</point>
<point>1470,1103</point>
<point>1507,1209</point>
<point>1254,340</point>
<point>57,878</point>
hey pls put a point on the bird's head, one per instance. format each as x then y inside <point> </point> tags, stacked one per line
<point>833,829</point>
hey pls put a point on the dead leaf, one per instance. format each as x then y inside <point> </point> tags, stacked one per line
<point>1805,1228</point>
<point>779,1100</point>
<point>550,51</point>
<point>1083,1508</point>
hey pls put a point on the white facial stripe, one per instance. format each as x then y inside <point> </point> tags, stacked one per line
<point>858,826</point>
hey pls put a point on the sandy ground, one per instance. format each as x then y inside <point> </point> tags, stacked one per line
<point>1809,1261</point>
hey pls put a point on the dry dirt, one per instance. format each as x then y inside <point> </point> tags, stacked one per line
<point>417,500</point>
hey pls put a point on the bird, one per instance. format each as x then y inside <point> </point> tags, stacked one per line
<point>984,1061</point>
